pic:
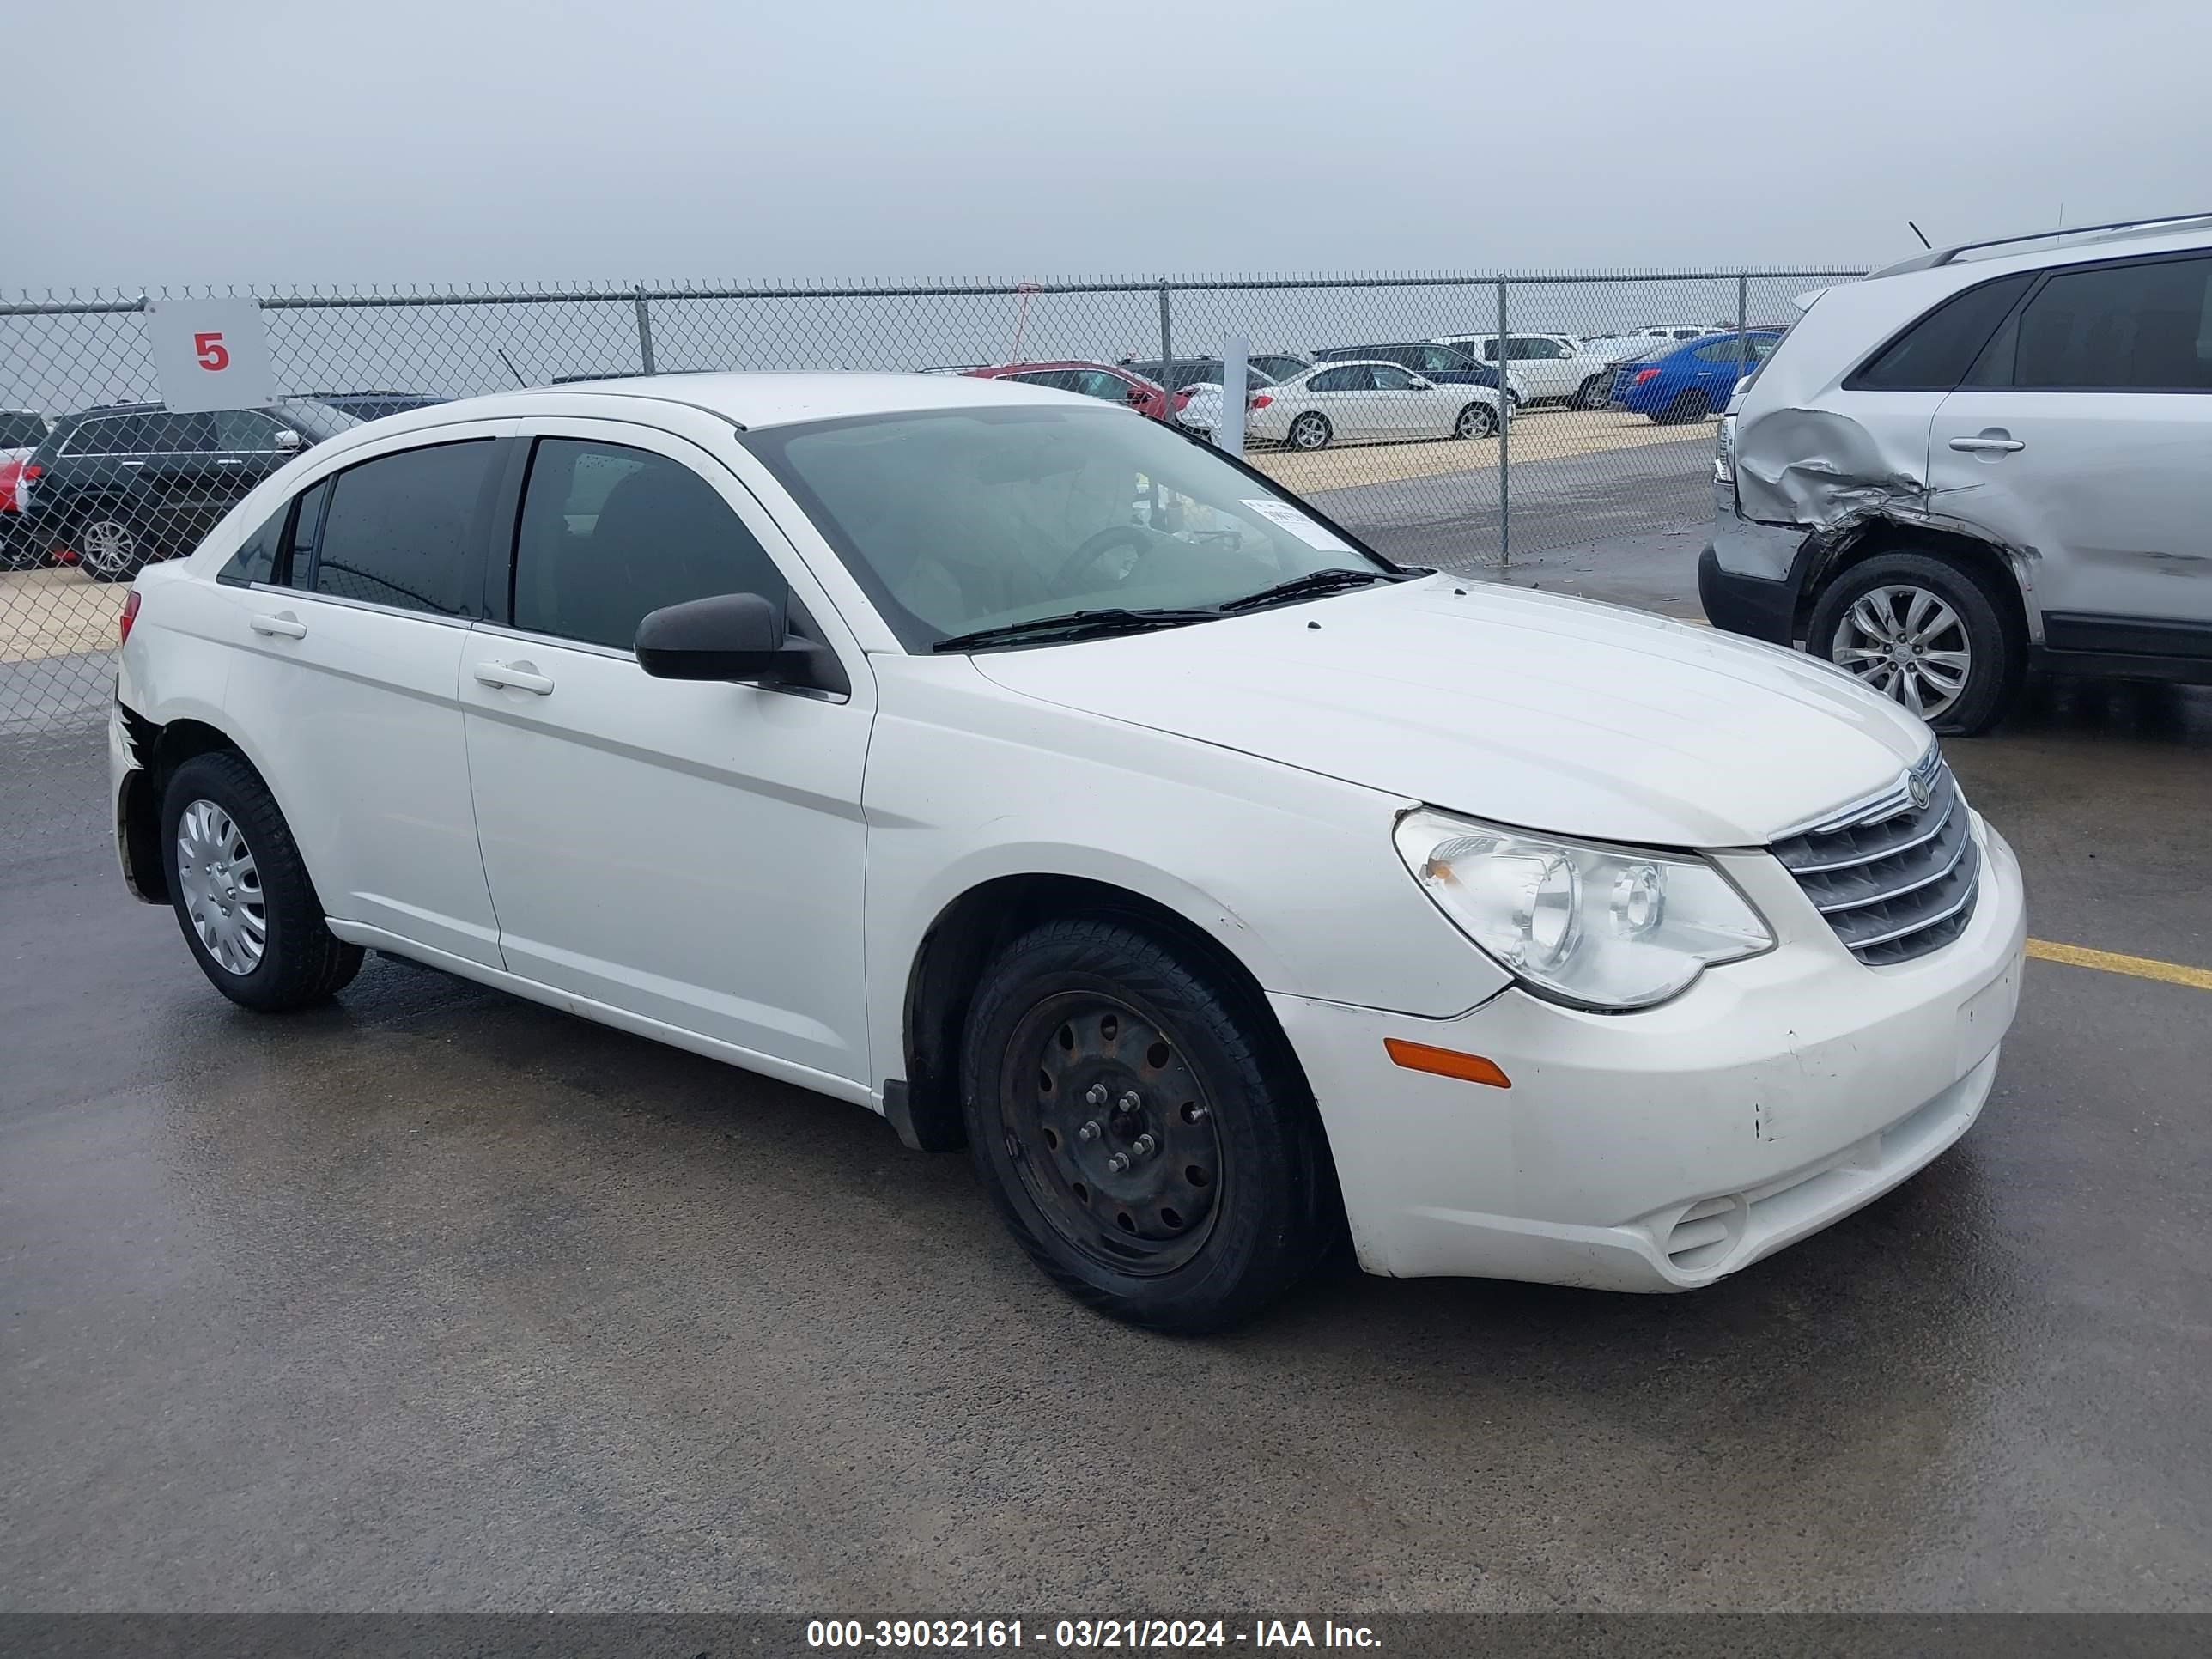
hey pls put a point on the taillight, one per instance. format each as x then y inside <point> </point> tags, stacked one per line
<point>1643,374</point>
<point>35,470</point>
<point>130,615</point>
<point>1259,400</point>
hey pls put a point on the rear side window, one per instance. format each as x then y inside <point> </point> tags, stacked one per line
<point>1935,353</point>
<point>399,530</point>
<point>609,533</point>
<point>2141,327</point>
<point>259,556</point>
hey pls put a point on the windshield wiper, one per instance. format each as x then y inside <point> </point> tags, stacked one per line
<point>1299,587</point>
<point>1074,625</point>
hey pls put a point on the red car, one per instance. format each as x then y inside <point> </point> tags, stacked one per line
<point>1114,386</point>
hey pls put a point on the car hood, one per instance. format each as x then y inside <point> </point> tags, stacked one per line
<point>1524,708</point>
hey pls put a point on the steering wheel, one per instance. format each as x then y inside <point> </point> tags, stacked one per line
<point>1140,537</point>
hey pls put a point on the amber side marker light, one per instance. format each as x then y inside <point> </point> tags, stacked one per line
<point>1445,1062</point>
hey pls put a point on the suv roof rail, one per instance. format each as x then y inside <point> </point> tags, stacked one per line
<point>1944,256</point>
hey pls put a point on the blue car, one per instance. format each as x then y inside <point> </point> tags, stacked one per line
<point>1687,382</point>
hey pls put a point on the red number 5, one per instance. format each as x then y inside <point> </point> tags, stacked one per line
<point>211,351</point>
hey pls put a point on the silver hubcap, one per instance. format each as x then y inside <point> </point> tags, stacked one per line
<point>1471,422</point>
<point>1309,433</point>
<point>221,888</point>
<point>106,545</point>
<point>1908,644</point>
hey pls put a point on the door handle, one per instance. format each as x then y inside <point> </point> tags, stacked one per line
<point>514,676</point>
<point>1986,442</point>
<point>228,460</point>
<point>134,462</point>
<point>281,626</point>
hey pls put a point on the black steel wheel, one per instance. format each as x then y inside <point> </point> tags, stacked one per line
<point>1144,1130</point>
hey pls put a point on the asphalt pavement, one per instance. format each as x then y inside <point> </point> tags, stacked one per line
<point>436,1299</point>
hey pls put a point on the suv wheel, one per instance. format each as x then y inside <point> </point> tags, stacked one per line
<point>107,549</point>
<point>1593,391</point>
<point>1140,1131</point>
<point>1926,631</point>
<point>242,892</point>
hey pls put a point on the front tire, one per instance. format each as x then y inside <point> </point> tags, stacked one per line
<point>1143,1129</point>
<point>1927,633</point>
<point>1475,421</point>
<point>242,892</point>
<point>1310,431</point>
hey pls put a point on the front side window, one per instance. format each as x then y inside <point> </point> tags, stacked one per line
<point>610,533</point>
<point>2139,327</point>
<point>1390,378</point>
<point>244,430</point>
<point>1353,378</point>
<point>954,520</point>
<point>399,530</point>
<point>1097,383</point>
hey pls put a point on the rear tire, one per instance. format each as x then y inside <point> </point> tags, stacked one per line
<point>1476,421</point>
<point>1090,1041</point>
<point>1310,431</point>
<point>242,891</point>
<point>107,549</point>
<point>1963,625</point>
<point>1592,392</point>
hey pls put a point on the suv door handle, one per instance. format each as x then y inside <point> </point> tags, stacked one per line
<point>515,677</point>
<point>282,625</point>
<point>1988,440</point>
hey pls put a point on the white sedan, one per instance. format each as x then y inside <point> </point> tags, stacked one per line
<point>1366,402</point>
<point>1228,890</point>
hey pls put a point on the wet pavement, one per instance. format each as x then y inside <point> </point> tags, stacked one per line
<point>434,1298</point>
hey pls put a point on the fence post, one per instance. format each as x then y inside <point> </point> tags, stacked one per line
<point>644,330</point>
<point>1742,316</point>
<point>1504,438</point>
<point>1167,347</point>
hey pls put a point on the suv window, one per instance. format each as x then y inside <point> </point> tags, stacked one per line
<point>153,434</point>
<point>397,530</point>
<point>610,533</point>
<point>2142,327</point>
<point>1934,353</point>
<point>246,430</point>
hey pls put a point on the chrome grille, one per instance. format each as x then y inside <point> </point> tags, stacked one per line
<point>1896,876</point>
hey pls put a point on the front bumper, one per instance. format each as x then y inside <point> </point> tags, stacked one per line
<point>1662,1150</point>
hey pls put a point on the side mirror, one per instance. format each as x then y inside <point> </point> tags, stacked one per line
<point>1134,396</point>
<point>288,442</point>
<point>733,636</point>
<point>1420,384</point>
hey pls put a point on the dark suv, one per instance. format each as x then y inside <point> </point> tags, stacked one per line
<point>1443,364</point>
<point>113,488</point>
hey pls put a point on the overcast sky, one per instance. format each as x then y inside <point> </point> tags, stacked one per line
<point>394,142</point>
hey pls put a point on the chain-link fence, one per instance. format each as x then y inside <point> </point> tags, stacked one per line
<point>1456,420</point>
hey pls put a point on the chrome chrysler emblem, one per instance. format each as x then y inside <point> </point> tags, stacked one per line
<point>1916,787</point>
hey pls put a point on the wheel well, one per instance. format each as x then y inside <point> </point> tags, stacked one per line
<point>980,922</point>
<point>1984,561</point>
<point>160,750</point>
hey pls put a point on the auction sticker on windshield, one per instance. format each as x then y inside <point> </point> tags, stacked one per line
<point>1312,534</point>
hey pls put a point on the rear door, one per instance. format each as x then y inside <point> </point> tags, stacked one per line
<point>1546,368</point>
<point>1344,396</point>
<point>2084,432</point>
<point>687,853</point>
<point>345,679</point>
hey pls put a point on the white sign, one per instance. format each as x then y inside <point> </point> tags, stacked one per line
<point>1312,534</point>
<point>1229,430</point>
<point>210,354</point>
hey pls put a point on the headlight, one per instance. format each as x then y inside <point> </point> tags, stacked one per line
<point>1598,926</point>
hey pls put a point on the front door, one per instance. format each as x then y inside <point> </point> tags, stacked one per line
<point>690,854</point>
<point>2084,438</point>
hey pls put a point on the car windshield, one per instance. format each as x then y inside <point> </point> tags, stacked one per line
<point>957,521</point>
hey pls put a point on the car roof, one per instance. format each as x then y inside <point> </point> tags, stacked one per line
<point>1122,369</point>
<point>756,399</point>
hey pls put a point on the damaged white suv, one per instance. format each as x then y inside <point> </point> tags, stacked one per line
<point>1979,461</point>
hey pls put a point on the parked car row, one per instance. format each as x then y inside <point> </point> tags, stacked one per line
<point>112,488</point>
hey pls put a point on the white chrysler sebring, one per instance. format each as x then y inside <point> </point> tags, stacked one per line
<point>1039,778</point>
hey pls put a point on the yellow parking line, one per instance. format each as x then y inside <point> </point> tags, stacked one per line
<point>2080,955</point>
